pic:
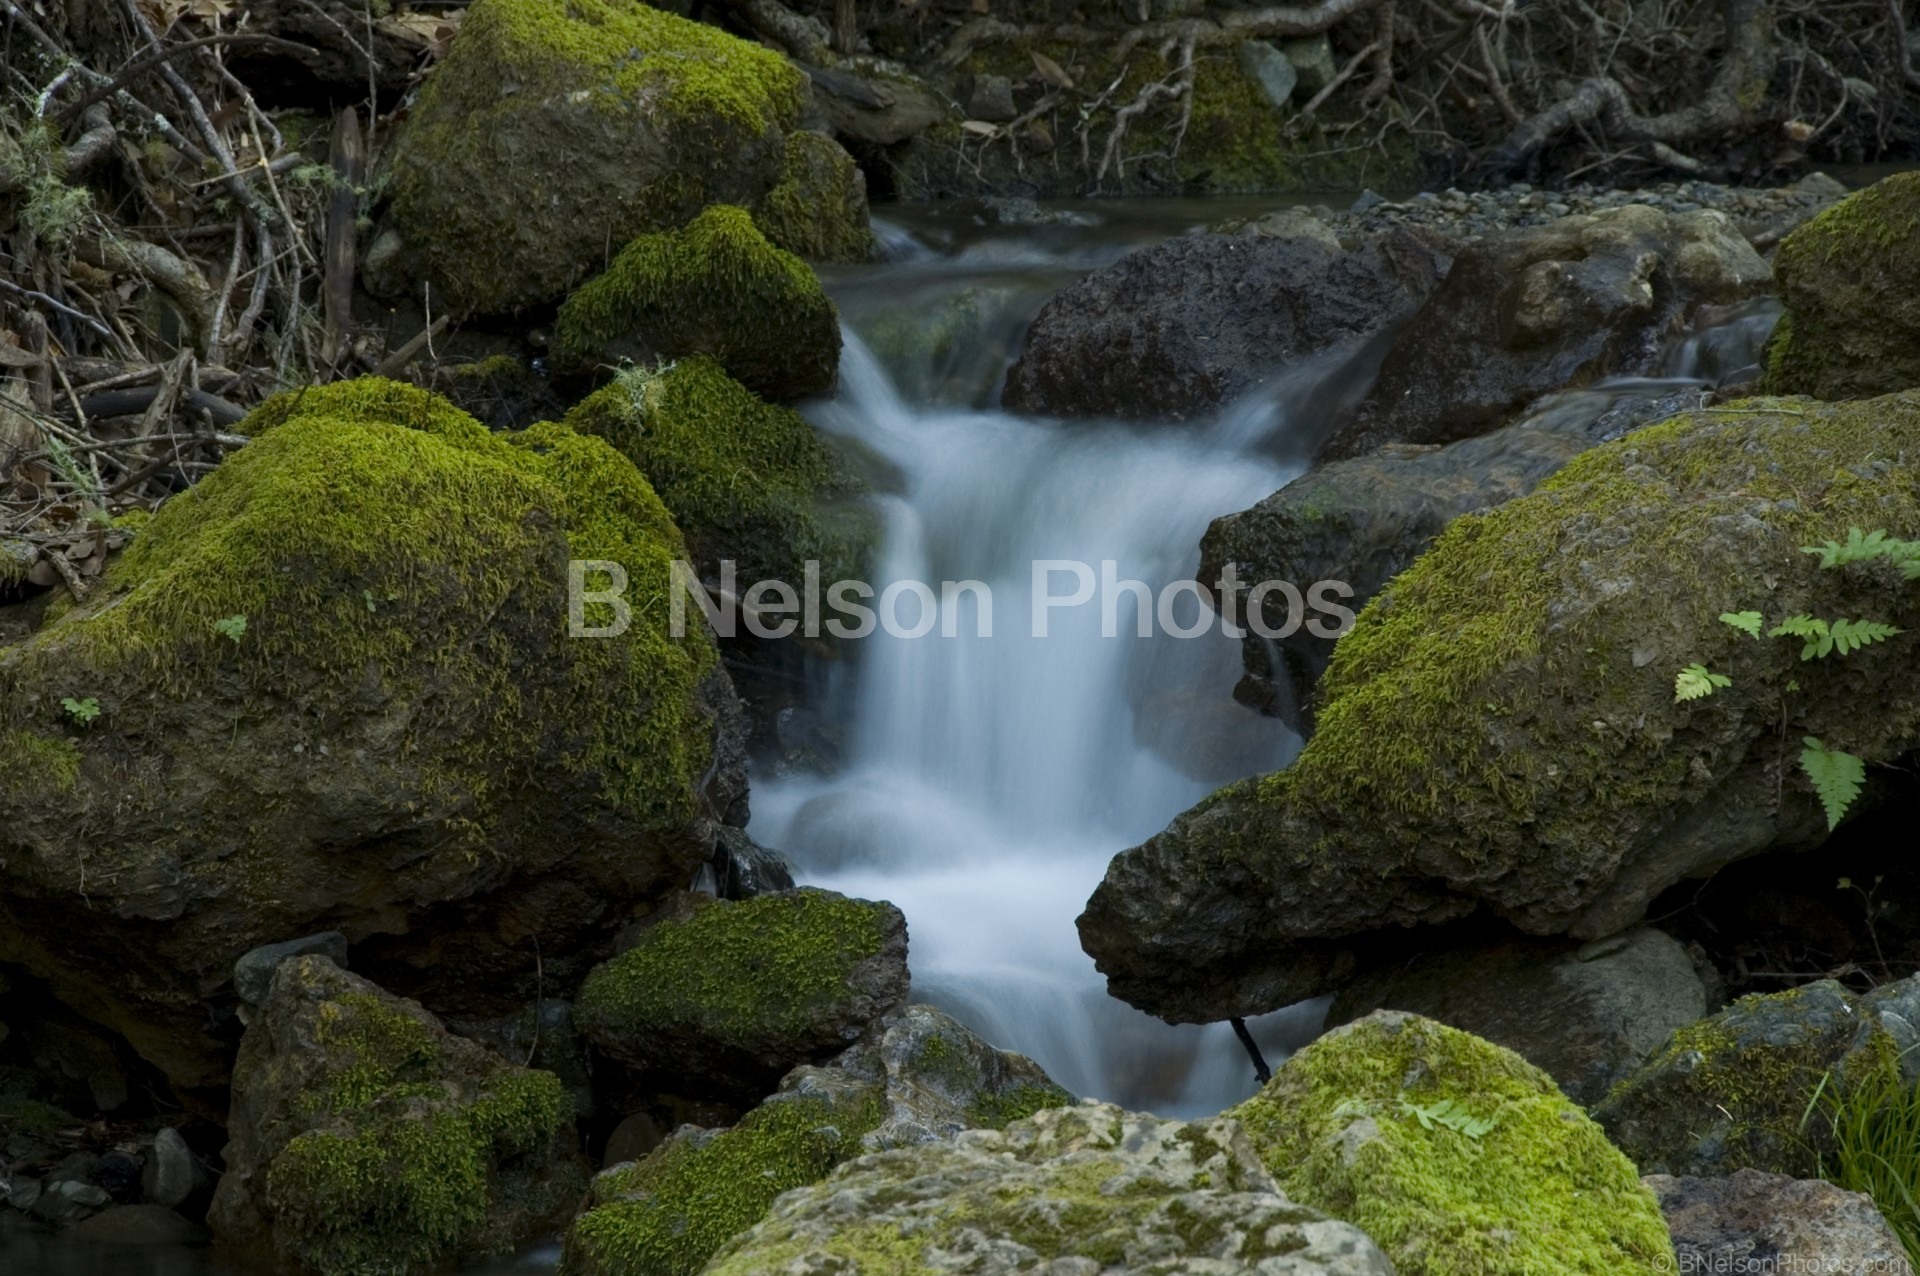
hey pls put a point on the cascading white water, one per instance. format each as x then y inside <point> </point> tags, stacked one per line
<point>990,779</point>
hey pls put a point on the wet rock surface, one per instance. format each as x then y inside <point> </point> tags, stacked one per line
<point>1768,1222</point>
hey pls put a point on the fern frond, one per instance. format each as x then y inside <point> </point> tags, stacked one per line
<point>1861,546</point>
<point>1819,639</point>
<point>1747,622</point>
<point>1851,635</point>
<point>1837,777</point>
<point>1452,1114</point>
<point>1697,682</point>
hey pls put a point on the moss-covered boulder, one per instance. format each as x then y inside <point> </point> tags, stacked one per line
<point>1500,730</point>
<point>365,1138</point>
<point>334,688</point>
<point>1851,281</point>
<point>1738,1090</point>
<point>551,130</point>
<point>916,1077</point>
<point>819,208</point>
<point>726,997</point>
<point>747,481</point>
<point>1457,1156</point>
<point>1078,1189</point>
<point>716,287</point>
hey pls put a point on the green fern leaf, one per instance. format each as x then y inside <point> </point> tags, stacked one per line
<point>1747,622</point>
<point>1819,639</point>
<point>1837,777</point>
<point>1697,682</point>
<point>1851,635</point>
<point>1449,1113</point>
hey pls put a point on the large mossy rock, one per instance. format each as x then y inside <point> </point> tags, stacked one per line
<point>336,691</point>
<point>727,997</point>
<point>1740,1090</point>
<point>818,210</point>
<point>1851,281</point>
<point>1182,329</point>
<point>747,481</point>
<point>917,1077</point>
<point>1458,1157</point>
<point>1079,1189</point>
<point>551,130</point>
<point>715,287</point>
<point>1500,732</point>
<point>1530,311</point>
<point>366,1138</point>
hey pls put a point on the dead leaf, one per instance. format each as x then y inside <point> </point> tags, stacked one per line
<point>980,128</point>
<point>982,6</point>
<point>1050,71</point>
<point>430,31</point>
<point>15,357</point>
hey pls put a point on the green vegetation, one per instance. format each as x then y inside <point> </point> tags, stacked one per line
<point>819,209</point>
<point>746,480</point>
<point>715,287</point>
<point>1837,776</point>
<point>765,968</point>
<point>38,766</point>
<point>1875,1123</point>
<point>1456,1156</point>
<point>668,1214</point>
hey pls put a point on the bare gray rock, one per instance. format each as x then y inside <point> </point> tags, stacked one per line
<point>1757,1222</point>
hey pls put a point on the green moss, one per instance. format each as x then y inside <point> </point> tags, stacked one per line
<point>1850,279</point>
<point>402,1172</point>
<point>997,1111</point>
<point>1410,708</point>
<point>375,537</point>
<point>767,966</point>
<point>715,287</point>
<point>819,208</point>
<point>1542,1192</point>
<point>668,1214</point>
<point>746,480</point>
<point>39,765</point>
<point>32,1119</point>
<point>646,75</point>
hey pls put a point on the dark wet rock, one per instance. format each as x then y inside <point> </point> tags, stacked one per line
<point>541,1035</point>
<point>1851,282</point>
<point>1737,1090</point>
<point>1532,311</point>
<point>726,997</point>
<point>1142,1193</point>
<point>1180,330</point>
<point>866,105</point>
<point>170,1173</point>
<point>1500,730</point>
<point>742,868</point>
<point>326,767</point>
<point>1756,1222</point>
<point>364,1135</point>
<point>64,1202</point>
<point>1586,1014</point>
<point>139,1225</point>
<point>253,973</point>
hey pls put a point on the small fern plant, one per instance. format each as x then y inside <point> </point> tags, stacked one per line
<point>1837,776</point>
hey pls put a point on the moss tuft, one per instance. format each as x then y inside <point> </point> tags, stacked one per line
<point>1540,1191</point>
<point>746,480</point>
<point>819,209</point>
<point>715,287</point>
<point>767,967</point>
<point>38,765</point>
<point>668,1214</point>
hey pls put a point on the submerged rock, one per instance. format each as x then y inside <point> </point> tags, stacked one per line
<point>716,287</point>
<point>1070,1190</point>
<point>726,997</point>
<point>919,1076</point>
<point>1180,330</point>
<point>1738,1090</point>
<point>1500,729</point>
<point>1532,311</point>
<point>336,691</point>
<point>365,1137</point>
<point>551,130</point>
<point>1456,1156</point>
<point>1851,282</point>
<point>1755,1222</point>
<point>1586,1014</point>
<point>746,480</point>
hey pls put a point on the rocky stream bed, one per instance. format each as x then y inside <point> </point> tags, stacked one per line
<point>393,880</point>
